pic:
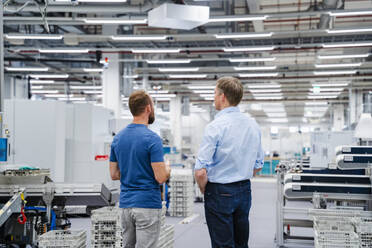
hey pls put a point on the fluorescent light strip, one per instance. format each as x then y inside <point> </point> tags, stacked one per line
<point>37,76</point>
<point>343,56</point>
<point>130,38</point>
<point>342,31</point>
<point>131,76</point>
<point>92,91</point>
<point>191,69</point>
<point>264,86</point>
<point>33,81</point>
<point>115,21</point>
<point>63,50</point>
<point>169,50</point>
<point>356,13</point>
<point>247,49</point>
<point>201,87</point>
<point>57,95</point>
<point>276,114</point>
<point>258,74</point>
<point>72,99</point>
<point>329,84</point>
<point>187,75</point>
<point>26,68</point>
<point>33,37</point>
<point>319,73</point>
<point>327,89</point>
<point>239,36</point>
<point>36,87</point>
<point>176,61</point>
<point>86,87</point>
<point>163,99</point>
<point>269,98</point>
<point>242,60</point>
<point>158,91</point>
<point>265,91</point>
<point>254,68</point>
<point>209,98</point>
<point>207,95</point>
<point>322,96</point>
<point>44,91</point>
<point>266,94</point>
<point>204,91</point>
<point>337,65</point>
<point>238,19</point>
<point>162,95</point>
<point>347,45</point>
<point>278,120</point>
<point>93,70</point>
<point>315,103</point>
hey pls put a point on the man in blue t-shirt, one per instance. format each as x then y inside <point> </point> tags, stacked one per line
<point>137,161</point>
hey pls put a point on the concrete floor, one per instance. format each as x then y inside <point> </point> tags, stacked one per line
<point>195,234</point>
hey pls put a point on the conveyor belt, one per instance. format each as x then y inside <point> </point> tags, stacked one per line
<point>353,161</point>
<point>306,190</point>
<point>65,194</point>
<point>326,178</point>
<point>354,150</point>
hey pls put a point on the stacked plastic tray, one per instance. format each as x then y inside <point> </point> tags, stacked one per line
<point>181,193</point>
<point>107,228</point>
<point>63,239</point>
<point>363,227</point>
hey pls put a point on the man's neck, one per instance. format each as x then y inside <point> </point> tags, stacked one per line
<point>223,107</point>
<point>140,120</point>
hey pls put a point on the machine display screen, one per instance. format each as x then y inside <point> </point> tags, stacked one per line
<point>3,149</point>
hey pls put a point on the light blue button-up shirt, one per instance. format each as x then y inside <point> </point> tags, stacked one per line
<point>231,147</point>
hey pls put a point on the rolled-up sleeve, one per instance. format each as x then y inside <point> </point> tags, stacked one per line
<point>207,148</point>
<point>260,155</point>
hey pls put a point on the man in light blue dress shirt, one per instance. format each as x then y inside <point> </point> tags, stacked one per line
<point>229,156</point>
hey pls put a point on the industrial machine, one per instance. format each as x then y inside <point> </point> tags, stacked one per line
<point>344,184</point>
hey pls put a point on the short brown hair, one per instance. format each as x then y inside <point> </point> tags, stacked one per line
<point>232,88</point>
<point>138,101</point>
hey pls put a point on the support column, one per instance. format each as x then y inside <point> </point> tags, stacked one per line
<point>111,85</point>
<point>111,78</point>
<point>355,105</point>
<point>176,121</point>
<point>338,117</point>
<point>2,84</point>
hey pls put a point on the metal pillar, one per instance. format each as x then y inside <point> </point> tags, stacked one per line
<point>2,84</point>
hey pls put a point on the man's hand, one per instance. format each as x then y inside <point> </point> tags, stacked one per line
<point>255,171</point>
<point>202,179</point>
<point>114,171</point>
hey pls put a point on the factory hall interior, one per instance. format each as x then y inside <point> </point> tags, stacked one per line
<point>186,123</point>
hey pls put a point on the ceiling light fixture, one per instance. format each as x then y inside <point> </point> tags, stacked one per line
<point>86,87</point>
<point>44,91</point>
<point>131,76</point>
<point>207,95</point>
<point>258,74</point>
<point>269,98</point>
<point>130,38</point>
<point>253,68</point>
<point>264,86</point>
<point>115,21</point>
<point>187,75</point>
<point>276,114</point>
<point>26,68</point>
<point>191,69</point>
<point>92,91</point>
<point>240,36</point>
<point>337,65</point>
<point>36,87</point>
<point>350,13</point>
<point>63,50</point>
<point>344,56</point>
<point>33,37</point>
<point>321,96</point>
<point>327,89</point>
<point>341,31</point>
<point>278,120</point>
<point>242,60</point>
<point>238,19</point>
<point>315,103</point>
<point>163,98</point>
<point>33,81</point>
<point>158,91</point>
<point>320,73</point>
<point>175,61</point>
<point>201,87</point>
<point>247,49</point>
<point>265,91</point>
<point>162,95</point>
<point>347,45</point>
<point>37,76</point>
<point>329,84</point>
<point>204,91</point>
<point>161,50</point>
<point>93,70</point>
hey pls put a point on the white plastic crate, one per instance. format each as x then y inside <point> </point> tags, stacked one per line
<point>326,223</point>
<point>63,238</point>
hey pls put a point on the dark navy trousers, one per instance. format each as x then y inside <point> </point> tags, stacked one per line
<point>227,213</point>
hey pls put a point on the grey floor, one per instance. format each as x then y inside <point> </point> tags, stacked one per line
<point>195,234</point>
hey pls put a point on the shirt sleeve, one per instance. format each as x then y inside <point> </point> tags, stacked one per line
<point>207,148</point>
<point>113,157</point>
<point>260,156</point>
<point>156,149</point>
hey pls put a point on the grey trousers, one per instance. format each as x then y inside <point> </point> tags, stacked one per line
<point>141,227</point>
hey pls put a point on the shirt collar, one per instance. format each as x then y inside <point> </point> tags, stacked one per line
<point>227,110</point>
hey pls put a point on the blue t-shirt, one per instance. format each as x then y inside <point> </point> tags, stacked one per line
<point>134,149</point>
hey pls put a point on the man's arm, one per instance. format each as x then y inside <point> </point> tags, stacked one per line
<point>161,171</point>
<point>114,171</point>
<point>259,160</point>
<point>255,171</point>
<point>201,178</point>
